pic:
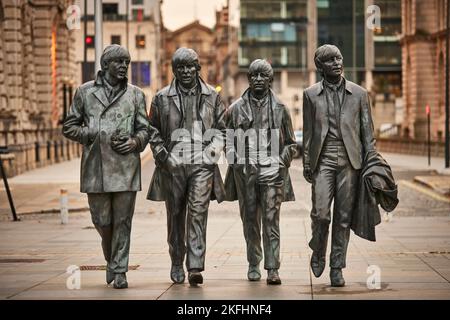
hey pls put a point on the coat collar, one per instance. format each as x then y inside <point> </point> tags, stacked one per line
<point>100,92</point>
<point>276,108</point>
<point>205,90</point>
<point>348,86</point>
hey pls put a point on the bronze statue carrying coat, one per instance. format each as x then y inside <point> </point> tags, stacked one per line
<point>338,133</point>
<point>108,117</point>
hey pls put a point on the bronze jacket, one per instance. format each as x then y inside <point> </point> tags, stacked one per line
<point>355,123</point>
<point>165,117</point>
<point>376,187</point>
<point>103,169</point>
<point>239,116</point>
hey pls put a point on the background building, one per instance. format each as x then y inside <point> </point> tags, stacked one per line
<point>195,36</point>
<point>423,57</point>
<point>282,32</point>
<point>135,24</point>
<point>37,74</point>
<point>387,101</point>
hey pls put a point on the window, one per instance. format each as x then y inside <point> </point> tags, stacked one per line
<point>140,73</point>
<point>140,41</point>
<point>88,71</point>
<point>138,14</point>
<point>110,8</point>
<point>289,32</point>
<point>115,39</point>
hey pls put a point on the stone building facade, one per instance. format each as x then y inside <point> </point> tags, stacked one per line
<point>37,79</point>
<point>195,36</point>
<point>424,56</point>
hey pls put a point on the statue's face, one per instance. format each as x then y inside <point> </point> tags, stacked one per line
<point>259,82</point>
<point>186,74</point>
<point>333,66</point>
<point>118,67</point>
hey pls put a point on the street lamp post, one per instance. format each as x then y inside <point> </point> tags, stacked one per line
<point>98,34</point>
<point>447,95</point>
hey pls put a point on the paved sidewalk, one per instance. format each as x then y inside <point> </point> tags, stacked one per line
<point>412,255</point>
<point>412,250</point>
<point>434,177</point>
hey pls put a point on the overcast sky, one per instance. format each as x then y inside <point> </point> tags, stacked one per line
<point>177,13</point>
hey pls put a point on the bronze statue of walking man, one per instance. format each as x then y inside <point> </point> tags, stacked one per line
<point>186,176</point>
<point>338,133</point>
<point>108,117</point>
<point>258,174</point>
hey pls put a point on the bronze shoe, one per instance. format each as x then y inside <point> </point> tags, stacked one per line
<point>195,277</point>
<point>272,277</point>
<point>177,274</point>
<point>120,281</point>
<point>253,273</point>
<point>109,276</point>
<point>317,264</point>
<point>337,280</point>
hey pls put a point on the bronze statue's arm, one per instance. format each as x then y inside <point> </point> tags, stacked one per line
<point>367,136</point>
<point>307,136</point>
<point>217,144</point>
<point>289,139</point>
<point>155,139</point>
<point>307,129</point>
<point>141,125</point>
<point>75,127</point>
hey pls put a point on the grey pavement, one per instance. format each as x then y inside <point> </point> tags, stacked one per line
<point>412,251</point>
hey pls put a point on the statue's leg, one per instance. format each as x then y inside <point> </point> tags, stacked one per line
<point>198,197</point>
<point>323,186</point>
<point>100,205</point>
<point>250,213</point>
<point>346,192</point>
<point>123,204</point>
<point>271,197</point>
<point>176,215</point>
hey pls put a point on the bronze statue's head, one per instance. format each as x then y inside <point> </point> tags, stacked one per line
<point>115,61</point>
<point>329,62</point>
<point>185,66</point>
<point>260,77</point>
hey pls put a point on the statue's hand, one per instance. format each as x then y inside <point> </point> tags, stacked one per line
<point>307,173</point>
<point>171,162</point>
<point>124,145</point>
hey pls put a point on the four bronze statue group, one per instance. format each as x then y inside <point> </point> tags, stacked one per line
<point>188,128</point>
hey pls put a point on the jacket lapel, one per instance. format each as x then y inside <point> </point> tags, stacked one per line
<point>245,114</point>
<point>322,100</point>
<point>101,96</point>
<point>173,95</point>
<point>117,97</point>
<point>277,112</point>
<point>203,110</point>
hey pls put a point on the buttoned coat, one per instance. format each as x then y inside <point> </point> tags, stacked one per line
<point>240,116</point>
<point>102,168</point>
<point>355,123</point>
<point>166,116</point>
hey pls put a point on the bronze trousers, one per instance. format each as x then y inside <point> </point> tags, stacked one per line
<point>190,190</point>
<point>335,181</point>
<point>111,214</point>
<point>260,197</point>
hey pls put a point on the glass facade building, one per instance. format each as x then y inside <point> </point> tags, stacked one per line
<point>387,73</point>
<point>342,23</point>
<point>275,30</point>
